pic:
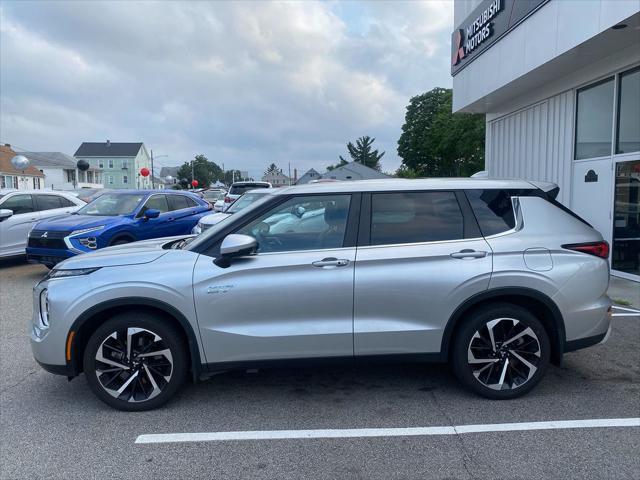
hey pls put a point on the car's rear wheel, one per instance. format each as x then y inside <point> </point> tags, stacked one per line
<point>501,351</point>
<point>135,362</point>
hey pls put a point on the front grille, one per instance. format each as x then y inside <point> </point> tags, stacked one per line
<point>53,239</point>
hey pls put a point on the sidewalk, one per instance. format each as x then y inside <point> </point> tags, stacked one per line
<point>622,291</point>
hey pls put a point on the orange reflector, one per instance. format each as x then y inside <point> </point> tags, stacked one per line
<point>69,342</point>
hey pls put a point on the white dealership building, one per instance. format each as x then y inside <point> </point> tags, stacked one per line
<point>559,82</point>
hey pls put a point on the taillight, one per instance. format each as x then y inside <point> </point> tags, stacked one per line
<point>227,199</point>
<point>599,249</point>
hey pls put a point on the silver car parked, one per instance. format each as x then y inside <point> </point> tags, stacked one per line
<point>495,277</point>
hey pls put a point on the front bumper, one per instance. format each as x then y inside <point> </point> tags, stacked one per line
<point>48,256</point>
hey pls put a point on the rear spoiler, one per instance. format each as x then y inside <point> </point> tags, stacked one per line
<point>551,189</point>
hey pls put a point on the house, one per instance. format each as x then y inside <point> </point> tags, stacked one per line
<point>165,173</point>
<point>311,174</point>
<point>353,171</point>
<point>120,162</point>
<point>276,179</point>
<point>28,179</point>
<point>61,171</point>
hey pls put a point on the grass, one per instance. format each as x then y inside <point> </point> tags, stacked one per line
<point>622,301</point>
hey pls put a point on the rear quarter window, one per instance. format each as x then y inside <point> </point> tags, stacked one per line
<point>493,210</point>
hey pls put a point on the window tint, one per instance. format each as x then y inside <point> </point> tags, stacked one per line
<point>66,202</point>
<point>19,204</point>
<point>191,202</point>
<point>415,217</point>
<point>493,210</point>
<point>177,202</point>
<point>156,202</point>
<point>629,112</point>
<point>302,223</point>
<point>48,202</point>
<point>593,120</point>
<point>245,187</point>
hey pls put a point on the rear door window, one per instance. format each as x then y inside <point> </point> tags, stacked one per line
<point>48,202</point>
<point>177,202</point>
<point>414,217</point>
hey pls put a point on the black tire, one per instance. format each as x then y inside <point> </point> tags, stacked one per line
<point>121,241</point>
<point>158,389</point>
<point>507,381</point>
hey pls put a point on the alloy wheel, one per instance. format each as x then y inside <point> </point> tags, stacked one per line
<point>504,354</point>
<point>133,364</point>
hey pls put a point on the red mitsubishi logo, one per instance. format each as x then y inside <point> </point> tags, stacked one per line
<point>459,48</point>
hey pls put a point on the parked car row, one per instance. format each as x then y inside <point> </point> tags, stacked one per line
<point>495,277</point>
<point>114,217</point>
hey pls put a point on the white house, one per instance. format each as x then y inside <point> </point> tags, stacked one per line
<point>28,179</point>
<point>61,172</point>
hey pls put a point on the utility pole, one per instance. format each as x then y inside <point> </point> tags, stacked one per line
<point>153,183</point>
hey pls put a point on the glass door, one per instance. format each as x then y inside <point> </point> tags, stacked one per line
<point>626,219</point>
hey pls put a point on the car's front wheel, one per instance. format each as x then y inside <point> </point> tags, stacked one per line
<point>501,351</point>
<point>135,362</point>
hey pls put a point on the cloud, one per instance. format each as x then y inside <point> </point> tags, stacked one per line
<point>245,83</point>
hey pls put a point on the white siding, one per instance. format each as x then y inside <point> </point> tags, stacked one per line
<point>534,143</point>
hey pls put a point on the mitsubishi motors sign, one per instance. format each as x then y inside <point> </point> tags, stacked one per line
<point>491,20</point>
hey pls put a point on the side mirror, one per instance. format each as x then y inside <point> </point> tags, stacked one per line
<point>5,213</point>
<point>235,245</point>
<point>151,213</point>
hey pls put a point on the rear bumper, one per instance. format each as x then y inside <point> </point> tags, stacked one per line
<point>48,256</point>
<point>581,343</point>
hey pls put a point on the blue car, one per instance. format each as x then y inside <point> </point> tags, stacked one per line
<point>115,218</point>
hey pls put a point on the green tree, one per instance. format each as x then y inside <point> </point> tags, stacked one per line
<point>273,168</point>
<point>204,171</point>
<point>231,176</point>
<point>437,143</point>
<point>362,152</point>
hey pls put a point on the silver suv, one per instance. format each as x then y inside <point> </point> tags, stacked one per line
<point>495,277</point>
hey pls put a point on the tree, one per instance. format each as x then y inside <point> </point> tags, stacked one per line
<point>341,163</point>
<point>363,153</point>
<point>273,169</point>
<point>437,143</point>
<point>205,172</point>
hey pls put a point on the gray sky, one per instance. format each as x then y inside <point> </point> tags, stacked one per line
<point>245,83</point>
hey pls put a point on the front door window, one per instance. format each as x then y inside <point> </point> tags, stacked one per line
<point>302,223</point>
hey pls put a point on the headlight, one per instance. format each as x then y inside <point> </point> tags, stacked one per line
<point>72,272</point>
<point>86,230</point>
<point>44,308</point>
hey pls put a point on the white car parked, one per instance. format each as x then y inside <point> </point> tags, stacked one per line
<point>244,201</point>
<point>21,209</point>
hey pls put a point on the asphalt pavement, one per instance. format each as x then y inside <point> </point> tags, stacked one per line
<point>52,428</point>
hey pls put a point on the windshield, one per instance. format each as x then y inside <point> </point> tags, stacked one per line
<point>112,204</point>
<point>244,201</point>
<point>204,236</point>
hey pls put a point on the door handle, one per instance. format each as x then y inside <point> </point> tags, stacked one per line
<point>468,253</point>
<point>331,262</point>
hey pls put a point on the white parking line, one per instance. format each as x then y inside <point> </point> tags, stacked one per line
<point>626,312</point>
<point>384,432</point>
